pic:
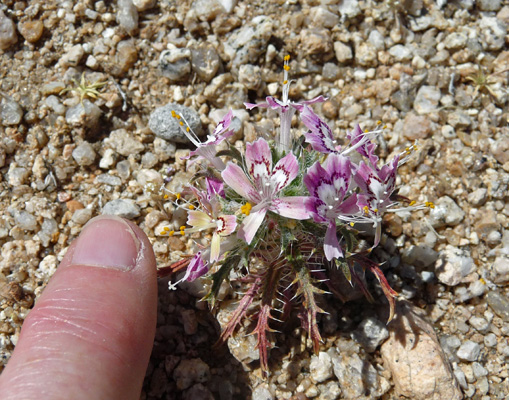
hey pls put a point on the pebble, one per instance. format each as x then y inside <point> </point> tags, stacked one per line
<point>126,56</point>
<point>149,176</point>
<point>478,197</point>
<point>55,104</point>
<point>108,179</point>
<point>53,88</point>
<point>82,216</point>
<point>490,340</point>
<point>124,143</point>
<point>174,64</point>
<point>31,30</point>
<point>453,265</point>
<point>189,321</point>
<point>376,39</point>
<point>492,32</point>
<point>499,304</point>
<point>469,351</point>
<point>320,367</point>
<point>500,149</point>
<point>343,52</point>
<point>73,56</point>
<point>489,5</point>
<point>189,372</point>
<point>366,54</point>
<point>420,369</point>
<point>500,270</point>
<point>198,392</point>
<point>427,99</point>
<point>85,114</point>
<point>8,35</point>
<point>11,112</point>
<point>17,176</point>
<point>455,40</point>
<point>330,71</point>
<point>420,256</point>
<point>127,16</point>
<point>416,126</point>
<point>262,392</point>
<point>371,333</point>
<point>349,8</point>
<point>250,76</point>
<point>166,127</point>
<point>26,221</point>
<point>143,5</point>
<point>446,213</point>
<point>401,53</point>
<point>205,61</point>
<point>84,154</point>
<point>315,41</point>
<point>108,159</point>
<point>479,323</point>
<point>124,208</point>
<point>321,17</point>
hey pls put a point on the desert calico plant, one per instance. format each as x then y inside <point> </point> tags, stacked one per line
<point>284,213</point>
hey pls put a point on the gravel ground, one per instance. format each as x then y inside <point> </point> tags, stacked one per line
<point>82,133</point>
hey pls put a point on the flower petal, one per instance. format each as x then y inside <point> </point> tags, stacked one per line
<point>196,268</point>
<point>259,162</point>
<point>339,169</point>
<point>319,135</point>
<point>235,178</point>
<point>215,245</point>
<point>331,246</point>
<point>291,207</point>
<point>226,224</point>
<point>250,106</point>
<point>250,225</point>
<point>284,173</point>
<point>199,219</point>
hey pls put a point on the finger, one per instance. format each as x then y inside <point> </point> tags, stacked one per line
<point>91,332</point>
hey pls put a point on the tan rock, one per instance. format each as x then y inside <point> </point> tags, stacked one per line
<point>420,369</point>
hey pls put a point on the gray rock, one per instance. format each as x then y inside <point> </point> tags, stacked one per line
<point>314,42</point>
<point>262,392</point>
<point>479,323</point>
<point>446,212</point>
<point>124,169</point>
<point>321,17</point>
<point>453,265</point>
<point>127,16</point>
<point>198,392</point>
<point>166,127</point>
<point>8,35</point>
<point>26,221</point>
<point>478,197</point>
<point>492,32</point>
<point>11,112</point>
<point>490,340</point>
<point>478,370</point>
<point>205,61</point>
<point>85,114</point>
<point>427,99</point>
<point>420,369</point>
<point>125,208</point>
<point>376,39</point>
<point>250,76</point>
<point>108,159</point>
<point>108,179</point>
<point>371,333</point>
<point>500,149</point>
<point>420,256</point>
<point>48,228</point>
<point>189,321</point>
<point>207,10</point>
<point>189,372</point>
<point>366,54</point>
<point>469,351</point>
<point>349,8</point>
<point>163,149</point>
<point>401,53</point>
<point>174,63</point>
<point>343,52</point>
<point>356,377</point>
<point>500,270</point>
<point>54,103</point>
<point>459,119</point>
<point>82,216</point>
<point>149,159</point>
<point>124,143</point>
<point>17,176</point>
<point>330,72</point>
<point>489,5</point>
<point>143,5</point>
<point>455,40</point>
<point>73,56</point>
<point>320,367</point>
<point>84,154</point>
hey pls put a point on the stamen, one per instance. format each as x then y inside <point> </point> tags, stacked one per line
<point>191,207</point>
<point>246,208</point>
<point>412,203</point>
<point>429,204</point>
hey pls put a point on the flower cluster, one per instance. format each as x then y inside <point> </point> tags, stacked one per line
<point>286,212</point>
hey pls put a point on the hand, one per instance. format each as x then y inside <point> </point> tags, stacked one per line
<point>91,332</point>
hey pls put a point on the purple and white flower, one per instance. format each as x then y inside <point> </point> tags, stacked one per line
<point>196,268</point>
<point>207,149</point>
<point>261,185</point>
<point>328,186</point>
<point>285,107</point>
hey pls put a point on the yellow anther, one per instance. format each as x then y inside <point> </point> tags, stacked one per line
<point>379,122</point>
<point>166,229</point>
<point>181,123</point>
<point>182,233</point>
<point>482,281</point>
<point>375,210</point>
<point>246,208</point>
<point>366,130</point>
<point>384,127</point>
<point>171,233</point>
<point>177,116</point>
<point>429,204</point>
<point>352,224</point>
<point>291,224</point>
<point>165,196</point>
<point>191,207</point>
<point>287,57</point>
<point>365,209</point>
<point>162,233</point>
<point>286,67</point>
<point>285,82</point>
<point>412,203</point>
<point>173,114</point>
<point>179,196</point>
<point>188,129</point>
<point>182,227</point>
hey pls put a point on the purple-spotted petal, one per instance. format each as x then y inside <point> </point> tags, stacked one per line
<point>250,225</point>
<point>338,168</point>
<point>223,125</point>
<point>362,144</point>
<point>319,135</point>
<point>259,162</point>
<point>291,207</point>
<point>214,187</point>
<point>285,171</point>
<point>313,177</point>
<point>235,178</point>
<point>226,224</point>
<point>331,246</point>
